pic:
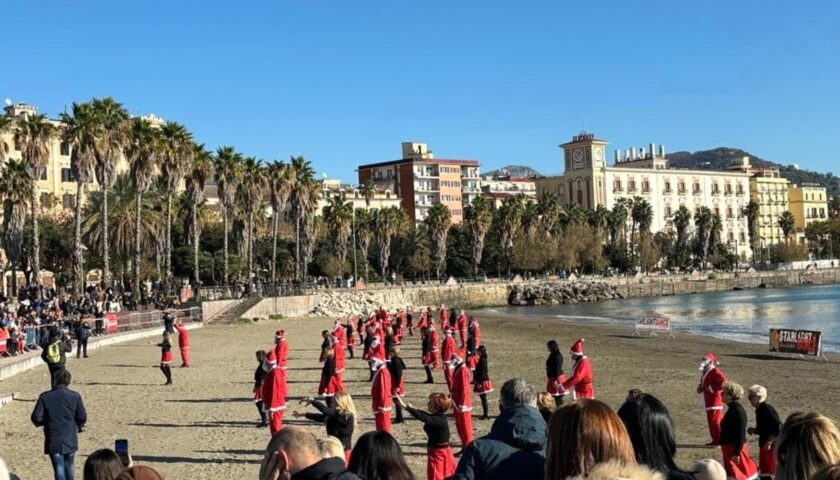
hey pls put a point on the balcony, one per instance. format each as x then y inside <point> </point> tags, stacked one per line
<point>668,191</point>
<point>715,192</point>
<point>631,188</point>
<point>617,188</point>
<point>739,193</point>
<point>697,191</point>
<point>728,193</point>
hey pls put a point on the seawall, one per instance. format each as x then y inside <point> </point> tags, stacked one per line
<point>491,294</point>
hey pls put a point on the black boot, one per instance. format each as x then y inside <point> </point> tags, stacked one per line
<point>167,371</point>
<point>429,378</point>
<point>263,417</point>
<point>399,418</point>
<point>328,401</point>
<point>350,349</point>
<point>484,409</point>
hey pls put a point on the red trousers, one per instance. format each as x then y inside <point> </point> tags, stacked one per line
<point>767,462</point>
<point>275,421</point>
<point>441,463</point>
<point>383,421</point>
<point>745,469</point>
<point>463,423</point>
<point>447,375</point>
<point>185,357</point>
<point>714,417</point>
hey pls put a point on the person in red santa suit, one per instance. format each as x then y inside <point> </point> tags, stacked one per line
<point>462,328</point>
<point>711,386</point>
<point>444,316</point>
<point>461,399</point>
<point>423,322</point>
<point>430,351</point>
<point>340,362</point>
<point>274,393</point>
<point>281,349</point>
<point>474,331</point>
<point>184,344</point>
<point>380,394</point>
<point>328,386</point>
<point>447,349</point>
<point>580,378</point>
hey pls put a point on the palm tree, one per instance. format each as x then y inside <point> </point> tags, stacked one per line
<point>642,214</point>
<point>702,225</point>
<point>34,134</point>
<point>509,216</point>
<point>550,210</point>
<point>14,185</point>
<point>530,218</point>
<point>599,219</point>
<point>715,234</point>
<point>578,215</point>
<point>364,231</point>
<point>682,220</point>
<point>143,153</point>
<point>79,132</point>
<point>368,190</point>
<point>6,125</point>
<point>112,123</point>
<point>196,177</point>
<point>833,206</point>
<point>478,218</point>
<point>339,217</point>
<point>303,178</point>
<point>387,222</point>
<point>279,187</point>
<point>176,154</point>
<point>227,173</point>
<point>252,189</point>
<point>751,211</point>
<point>437,221</point>
<point>788,224</point>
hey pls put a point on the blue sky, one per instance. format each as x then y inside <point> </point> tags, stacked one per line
<point>344,82</point>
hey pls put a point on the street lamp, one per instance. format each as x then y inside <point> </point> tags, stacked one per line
<point>355,264</point>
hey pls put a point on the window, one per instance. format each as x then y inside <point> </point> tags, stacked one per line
<point>731,236</point>
<point>645,185</point>
<point>68,200</point>
<point>667,211</point>
<point>64,147</point>
<point>728,212</point>
<point>667,186</point>
<point>617,185</point>
<point>743,237</point>
<point>717,211</point>
<point>67,175</point>
<point>715,188</point>
<point>681,186</point>
<point>631,185</point>
<point>43,174</point>
<point>728,188</point>
<point>696,187</point>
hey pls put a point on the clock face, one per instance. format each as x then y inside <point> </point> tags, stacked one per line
<point>599,154</point>
<point>578,155</point>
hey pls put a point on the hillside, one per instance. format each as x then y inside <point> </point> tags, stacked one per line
<point>513,171</point>
<point>721,158</point>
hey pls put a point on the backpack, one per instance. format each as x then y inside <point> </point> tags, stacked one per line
<point>54,353</point>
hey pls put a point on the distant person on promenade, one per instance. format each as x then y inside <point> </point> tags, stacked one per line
<point>61,412</point>
<point>82,332</point>
<point>711,386</point>
<point>55,351</point>
<point>767,425</point>
<point>580,379</point>
<point>733,436</point>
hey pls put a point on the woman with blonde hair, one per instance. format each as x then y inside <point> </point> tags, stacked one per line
<point>829,472</point>
<point>806,442</point>
<point>733,436</point>
<point>545,404</point>
<point>583,434</point>
<point>340,419</point>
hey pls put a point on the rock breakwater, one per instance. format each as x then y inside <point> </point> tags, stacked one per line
<point>561,293</point>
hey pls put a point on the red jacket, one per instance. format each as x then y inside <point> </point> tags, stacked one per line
<point>380,391</point>
<point>281,351</point>
<point>340,357</point>
<point>581,379</point>
<point>461,398</point>
<point>447,348</point>
<point>183,335</point>
<point>274,390</point>
<point>475,331</point>
<point>712,381</point>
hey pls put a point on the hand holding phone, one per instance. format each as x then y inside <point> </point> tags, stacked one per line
<point>121,448</point>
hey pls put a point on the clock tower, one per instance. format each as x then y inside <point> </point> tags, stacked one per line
<point>584,163</point>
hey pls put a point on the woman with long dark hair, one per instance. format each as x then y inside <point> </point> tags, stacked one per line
<point>103,464</point>
<point>481,380</point>
<point>166,357</point>
<point>554,372</point>
<point>651,431</point>
<point>377,456</point>
<point>259,376</point>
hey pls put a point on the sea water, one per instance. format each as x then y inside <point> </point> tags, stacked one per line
<point>745,315</point>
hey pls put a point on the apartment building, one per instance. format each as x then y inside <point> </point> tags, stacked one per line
<point>421,181</point>
<point>808,204</point>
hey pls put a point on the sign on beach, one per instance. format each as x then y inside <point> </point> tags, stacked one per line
<point>659,323</point>
<point>803,342</point>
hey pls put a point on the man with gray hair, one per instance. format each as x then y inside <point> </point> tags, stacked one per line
<point>767,426</point>
<point>294,453</point>
<point>515,446</point>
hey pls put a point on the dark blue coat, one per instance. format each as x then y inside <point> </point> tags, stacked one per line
<point>61,412</point>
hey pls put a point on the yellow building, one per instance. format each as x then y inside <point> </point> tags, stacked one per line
<point>770,191</point>
<point>808,204</point>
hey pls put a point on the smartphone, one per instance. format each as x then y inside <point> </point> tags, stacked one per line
<point>121,448</point>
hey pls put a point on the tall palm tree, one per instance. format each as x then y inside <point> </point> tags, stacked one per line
<point>111,141</point>
<point>368,190</point>
<point>549,209</point>
<point>387,223</point>
<point>788,224</point>
<point>702,225</point>
<point>530,218</point>
<point>279,187</point>
<point>195,179</point>
<point>642,214</point>
<point>715,234</point>
<point>34,134</point>
<point>599,219</point>
<point>682,220</point>
<point>227,174</point>
<point>438,221</point>
<point>252,188</point>
<point>478,216</point>
<point>176,154</point>
<point>14,187</point>
<point>509,219</point>
<point>363,227</point>
<point>339,217</point>
<point>143,153</point>
<point>303,208</point>
<point>80,133</point>
<point>751,211</point>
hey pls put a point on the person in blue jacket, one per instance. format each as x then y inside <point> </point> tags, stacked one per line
<point>61,412</point>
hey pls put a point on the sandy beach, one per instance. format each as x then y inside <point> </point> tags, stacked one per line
<point>203,426</point>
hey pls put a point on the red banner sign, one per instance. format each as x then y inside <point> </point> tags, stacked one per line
<point>805,342</point>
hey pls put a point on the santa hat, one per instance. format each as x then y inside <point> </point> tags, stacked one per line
<point>457,358</point>
<point>270,358</point>
<point>447,332</point>
<point>711,358</point>
<point>577,347</point>
<point>280,334</point>
<point>376,362</point>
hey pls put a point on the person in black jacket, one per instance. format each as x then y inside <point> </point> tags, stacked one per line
<point>440,463</point>
<point>82,332</point>
<point>327,387</point>
<point>767,426</point>
<point>259,376</point>
<point>554,372</point>
<point>293,452</point>
<point>395,368</point>
<point>55,351</point>
<point>481,380</point>
<point>61,412</point>
<point>340,420</point>
<point>733,436</point>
